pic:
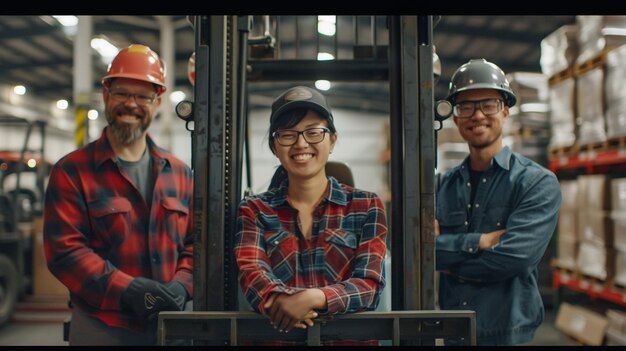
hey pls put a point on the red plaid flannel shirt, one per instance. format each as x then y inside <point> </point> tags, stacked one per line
<point>344,257</point>
<point>99,232</point>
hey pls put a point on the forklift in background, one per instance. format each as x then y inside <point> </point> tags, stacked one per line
<point>227,59</point>
<point>22,175</point>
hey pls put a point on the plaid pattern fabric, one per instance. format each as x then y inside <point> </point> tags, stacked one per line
<point>344,256</point>
<point>99,232</point>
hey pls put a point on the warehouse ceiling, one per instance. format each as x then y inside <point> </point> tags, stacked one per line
<point>37,52</point>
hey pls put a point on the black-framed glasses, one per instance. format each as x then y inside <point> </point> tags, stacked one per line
<point>311,135</point>
<point>488,107</point>
<point>140,99</point>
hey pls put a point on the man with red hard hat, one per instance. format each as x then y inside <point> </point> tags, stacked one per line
<point>118,215</point>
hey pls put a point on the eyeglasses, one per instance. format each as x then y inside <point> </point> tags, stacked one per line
<point>140,99</point>
<point>488,107</point>
<point>290,137</point>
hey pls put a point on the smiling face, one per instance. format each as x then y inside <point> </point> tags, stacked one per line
<point>478,130</point>
<point>303,160</point>
<point>128,121</point>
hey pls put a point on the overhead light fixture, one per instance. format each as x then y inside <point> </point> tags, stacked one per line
<point>326,25</point>
<point>322,84</point>
<point>62,104</point>
<point>105,48</point>
<point>19,90</point>
<point>92,115</point>
<point>325,56</point>
<point>67,21</point>
<point>177,96</point>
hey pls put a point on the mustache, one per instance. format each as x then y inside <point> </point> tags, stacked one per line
<point>129,111</point>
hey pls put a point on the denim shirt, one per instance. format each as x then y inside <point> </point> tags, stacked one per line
<point>500,284</point>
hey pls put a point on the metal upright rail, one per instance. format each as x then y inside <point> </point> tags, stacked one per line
<point>223,70</point>
<point>216,142</point>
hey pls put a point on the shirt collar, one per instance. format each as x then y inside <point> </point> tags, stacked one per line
<point>104,151</point>
<point>503,158</point>
<point>335,195</point>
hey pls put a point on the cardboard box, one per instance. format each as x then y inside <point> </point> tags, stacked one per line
<point>567,249</point>
<point>619,229</point>
<point>595,260</point>
<point>615,338</point>
<point>617,320</point>
<point>620,270</point>
<point>44,283</point>
<point>568,223</point>
<point>569,190</point>
<point>559,50</point>
<point>618,194</point>
<point>563,125</point>
<point>595,226</point>
<point>581,324</point>
<point>593,192</point>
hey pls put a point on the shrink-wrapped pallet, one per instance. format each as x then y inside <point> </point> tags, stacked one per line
<point>562,113</point>
<point>559,50</point>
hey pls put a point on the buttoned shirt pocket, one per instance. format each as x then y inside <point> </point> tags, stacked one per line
<point>110,221</point>
<point>453,221</point>
<point>282,251</point>
<point>339,252</point>
<point>175,218</point>
<point>465,294</point>
<point>495,219</point>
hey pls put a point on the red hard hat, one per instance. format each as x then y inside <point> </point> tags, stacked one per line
<point>137,62</point>
<point>191,69</point>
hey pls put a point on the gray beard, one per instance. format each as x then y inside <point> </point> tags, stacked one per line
<point>125,133</point>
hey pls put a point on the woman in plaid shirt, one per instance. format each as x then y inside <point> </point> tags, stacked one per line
<point>309,246</point>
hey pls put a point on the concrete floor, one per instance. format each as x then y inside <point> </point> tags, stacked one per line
<point>39,322</point>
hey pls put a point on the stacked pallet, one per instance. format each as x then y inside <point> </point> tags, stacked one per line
<point>528,129</point>
<point>585,65</point>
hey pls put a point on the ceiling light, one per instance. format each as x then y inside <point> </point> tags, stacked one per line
<point>104,47</point>
<point>177,96</point>
<point>19,89</point>
<point>322,84</point>
<point>325,56</point>
<point>92,115</point>
<point>67,21</point>
<point>62,104</point>
<point>326,25</point>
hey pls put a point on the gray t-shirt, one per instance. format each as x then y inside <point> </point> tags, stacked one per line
<point>140,172</point>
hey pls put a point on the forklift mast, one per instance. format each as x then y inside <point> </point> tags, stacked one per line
<point>227,58</point>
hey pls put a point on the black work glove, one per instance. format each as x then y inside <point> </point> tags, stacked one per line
<point>146,297</point>
<point>179,290</point>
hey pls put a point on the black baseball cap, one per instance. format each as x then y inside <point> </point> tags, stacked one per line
<point>301,96</point>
